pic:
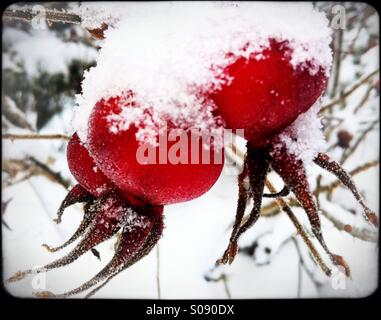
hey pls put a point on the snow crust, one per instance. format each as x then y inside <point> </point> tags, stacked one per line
<point>167,52</point>
<point>304,138</point>
<point>93,14</point>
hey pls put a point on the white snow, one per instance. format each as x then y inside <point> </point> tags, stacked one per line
<point>42,50</point>
<point>304,138</point>
<point>196,232</point>
<point>166,52</point>
<point>93,14</point>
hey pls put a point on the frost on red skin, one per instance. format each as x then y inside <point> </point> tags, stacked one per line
<point>160,184</point>
<point>84,169</point>
<point>106,212</point>
<point>264,97</point>
<point>113,203</point>
<point>267,94</point>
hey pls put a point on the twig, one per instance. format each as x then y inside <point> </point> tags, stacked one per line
<point>302,263</point>
<point>273,208</point>
<point>11,136</point>
<point>361,168</point>
<point>27,15</point>
<point>364,99</point>
<point>287,209</point>
<point>351,48</point>
<point>351,150</point>
<point>4,205</point>
<point>226,287</point>
<point>349,91</point>
<point>32,167</point>
<point>360,233</point>
<point>337,62</point>
<point>318,185</point>
<point>158,272</point>
<point>300,277</point>
<point>222,277</point>
<point>55,176</point>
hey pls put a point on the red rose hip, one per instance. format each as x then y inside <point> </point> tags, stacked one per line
<point>116,153</point>
<point>267,94</point>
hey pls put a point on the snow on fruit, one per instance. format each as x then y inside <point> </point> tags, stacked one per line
<point>160,181</point>
<point>276,104</point>
<point>120,194</point>
<point>267,93</point>
<point>193,70</point>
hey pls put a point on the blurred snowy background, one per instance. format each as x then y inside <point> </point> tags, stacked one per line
<point>42,71</point>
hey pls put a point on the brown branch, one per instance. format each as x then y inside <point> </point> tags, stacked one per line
<point>52,175</point>
<point>361,168</point>
<point>27,15</point>
<point>364,99</point>
<point>11,136</point>
<point>360,233</point>
<point>287,209</point>
<point>31,167</point>
<point>349,91</point>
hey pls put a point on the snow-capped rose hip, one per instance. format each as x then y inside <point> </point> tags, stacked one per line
<point>120,193</point>
<point>159,181</point>
<point>266,92</point>
<point>264,96</point>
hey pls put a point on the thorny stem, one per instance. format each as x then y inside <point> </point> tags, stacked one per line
<point>27,15</point>
<point>365,234</point>
<point>354,172</point>
<point>287,209</point>
<point>273,207</point>
<point>11,136</point>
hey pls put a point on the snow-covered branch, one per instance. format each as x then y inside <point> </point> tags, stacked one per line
<point>27,15</point>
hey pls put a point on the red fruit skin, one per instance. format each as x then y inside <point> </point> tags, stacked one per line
<point>84,169</point>
<point>157,184</point>
<point>266,95</point>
